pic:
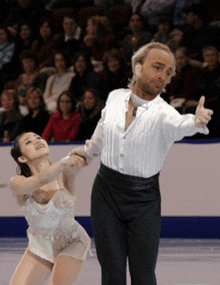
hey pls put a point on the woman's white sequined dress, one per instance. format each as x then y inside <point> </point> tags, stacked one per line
<point>53,229</point>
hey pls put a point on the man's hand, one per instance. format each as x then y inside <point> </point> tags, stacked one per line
<point>80,151</point>
<point>203,115</point>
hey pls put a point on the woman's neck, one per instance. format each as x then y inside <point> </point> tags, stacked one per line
<point>39,165</point>
<point>35,112</point>
<point>61,72</point>
<point>66,115</point>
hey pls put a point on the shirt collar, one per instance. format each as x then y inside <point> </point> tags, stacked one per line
<point>139,101</point>
<point>76,36</point>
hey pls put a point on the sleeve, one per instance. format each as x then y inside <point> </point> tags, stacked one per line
<point>176,127</point>
<point>75,128</point>
<point>8,53</point>
<point>93,146</point>
<point>49,129</point>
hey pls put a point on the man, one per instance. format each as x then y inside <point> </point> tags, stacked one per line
<point>72,38</point>
<point>133,136</point>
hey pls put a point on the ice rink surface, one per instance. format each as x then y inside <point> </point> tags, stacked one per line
<point>180,262</point>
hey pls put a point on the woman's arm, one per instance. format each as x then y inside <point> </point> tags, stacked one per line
<point>49,130</point>
<point>21,185</point>
<point>75,128</point>
<point>70,173</point>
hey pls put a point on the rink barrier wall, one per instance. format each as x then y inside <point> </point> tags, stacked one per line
<point>189,180</point>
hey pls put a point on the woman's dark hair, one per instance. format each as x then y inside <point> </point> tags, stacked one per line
<point>27,54</point>
<point>73,101</point>
<point>113,53</point>
<point>49,22</point>
<point>40,94</point>
<point>65,55</point>
<point>86,55</point>
<point>16,153</point>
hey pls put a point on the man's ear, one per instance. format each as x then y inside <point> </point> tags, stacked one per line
<point>137,68</point>
<point>22,159</point>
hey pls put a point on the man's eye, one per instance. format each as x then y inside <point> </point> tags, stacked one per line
<point>27,142</point>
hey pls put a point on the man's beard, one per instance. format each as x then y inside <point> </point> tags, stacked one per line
<point>147,86</point>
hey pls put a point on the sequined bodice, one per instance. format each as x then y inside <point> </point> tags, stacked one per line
<point>54,219</point>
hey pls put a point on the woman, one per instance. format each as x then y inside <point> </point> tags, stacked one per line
<point>30,67</point>
<point>10,117</point>
<point>38,117</point>
<point>26,34</point>
<point>115,73</point>
<point>137,37</point>
<point>85,76</point>
<point>90,109</point>
<point>64,124</point>
<point>58,82</point>
<point>44,46</point>
<point>98,38</point>
<point>46,193</point>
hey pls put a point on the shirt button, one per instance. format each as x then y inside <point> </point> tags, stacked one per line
<point>121,155</point>
<point>121,168</point>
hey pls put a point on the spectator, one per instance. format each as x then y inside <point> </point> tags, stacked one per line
<point>58,82</point>
<point>38,117</point>
<point>154,9</point>
<point>71,40</point>
<point>85,76</point>
<point>30,68</point>
<point>90,109</point>
<point>26,34</point>
<point>64,124</point>
<point>7,48</point>
<point>10,117</point>
<point>183,84</point>
<point>208,84</point>
<point>98,38</point>
<point>137,37</point>
<point>164,28</point>
<point>115,73</point>
<point>199,34</point>
<point>44,46</point>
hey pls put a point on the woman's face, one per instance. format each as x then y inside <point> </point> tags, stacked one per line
<point>32,146</point>
<point>135,23</point>
<point>28,64</point>
<point>45,30</point>
<point>25,32</point>
<point>113,64</point>
<point>33,100</point>
<point>89,100</point>
<point>8,102</point>
<point>60,62</point>
<point>65,104</point>
<point>80,64</point>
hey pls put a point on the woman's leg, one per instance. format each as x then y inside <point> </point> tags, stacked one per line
<point>65,271</point>
<point>31,270</point>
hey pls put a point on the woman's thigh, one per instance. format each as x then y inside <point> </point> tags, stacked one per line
<point>31,270</point>
<point>65,271</point>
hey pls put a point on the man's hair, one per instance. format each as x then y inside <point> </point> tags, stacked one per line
<point>141,55</point>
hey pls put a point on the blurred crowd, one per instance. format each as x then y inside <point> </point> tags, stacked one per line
<point>60,59</point>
